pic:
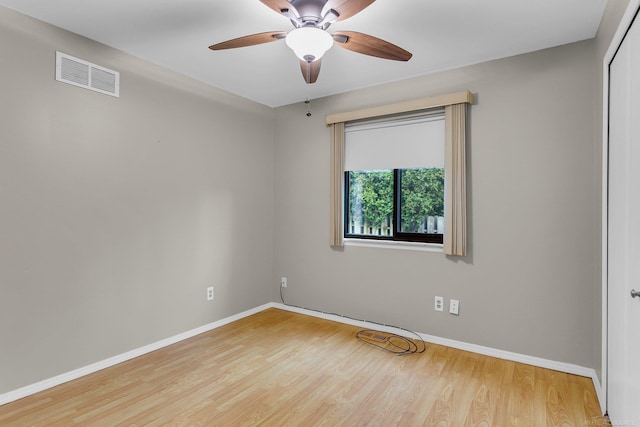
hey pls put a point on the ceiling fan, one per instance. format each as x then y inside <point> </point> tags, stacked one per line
<point>310,38</point>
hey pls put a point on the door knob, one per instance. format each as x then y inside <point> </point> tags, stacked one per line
<point>635,293</point>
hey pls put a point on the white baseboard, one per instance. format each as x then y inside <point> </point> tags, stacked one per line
<point>94,367</point>
<point>487,351</point>
<point>600,392</point>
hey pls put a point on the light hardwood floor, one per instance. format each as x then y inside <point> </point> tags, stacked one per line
<point>278,368</point>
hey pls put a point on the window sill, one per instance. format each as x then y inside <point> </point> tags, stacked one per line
<point>387,244</point>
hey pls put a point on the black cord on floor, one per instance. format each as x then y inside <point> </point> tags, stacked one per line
<point>392,343</point>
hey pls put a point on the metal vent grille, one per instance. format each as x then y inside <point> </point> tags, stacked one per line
<point>75,72</point>
<point>84,74</point>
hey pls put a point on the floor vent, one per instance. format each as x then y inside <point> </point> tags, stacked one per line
<point>84,74</point>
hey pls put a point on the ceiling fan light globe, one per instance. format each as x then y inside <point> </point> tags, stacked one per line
<point>309,42</point>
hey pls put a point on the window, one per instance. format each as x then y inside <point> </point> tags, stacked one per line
<point>394,178</point>
<point>455,193</point>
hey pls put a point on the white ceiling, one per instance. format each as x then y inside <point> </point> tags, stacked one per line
<point>441,34</point>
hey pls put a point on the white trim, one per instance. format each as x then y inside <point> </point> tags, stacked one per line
<point>605,234</point>
<point>602,398</point>
<point>394,244</point>
<point>487,351</point>
<point>623,26</point>
<point>94,367</point>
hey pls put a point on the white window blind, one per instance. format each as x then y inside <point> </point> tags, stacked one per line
<point>399,143</point>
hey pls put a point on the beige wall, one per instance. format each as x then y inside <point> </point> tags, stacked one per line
<point>530,281</point>
<point>612,16</point>
<point>117,214</point>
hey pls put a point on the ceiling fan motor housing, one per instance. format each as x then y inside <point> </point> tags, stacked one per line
<point>311,12</point>
<point>308,10</point>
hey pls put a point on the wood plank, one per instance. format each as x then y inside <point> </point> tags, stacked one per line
<point>286,369</point>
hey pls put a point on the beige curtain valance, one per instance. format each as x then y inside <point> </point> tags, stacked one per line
<point>464,97</point>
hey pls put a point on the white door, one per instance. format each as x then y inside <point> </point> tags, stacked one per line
<point>623,396</point>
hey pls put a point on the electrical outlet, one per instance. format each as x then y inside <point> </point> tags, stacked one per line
<point>438,304</point>
<point>454,306</point>
<point>283,282</point>
<point>210,293</point>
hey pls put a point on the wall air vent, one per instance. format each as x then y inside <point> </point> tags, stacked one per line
<point>84,74</point>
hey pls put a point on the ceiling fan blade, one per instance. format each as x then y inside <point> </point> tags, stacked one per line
<point>277,5</point>
<point>369,45</point>
<point>310,70</point>
<point>251,40</point>
<point>347,8</point>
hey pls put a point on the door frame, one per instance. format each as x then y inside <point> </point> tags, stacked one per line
<point>633,8</point>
